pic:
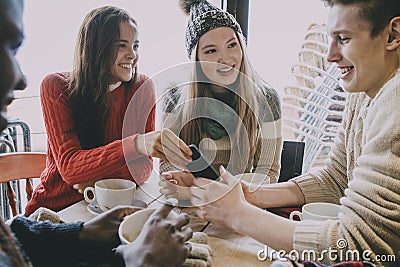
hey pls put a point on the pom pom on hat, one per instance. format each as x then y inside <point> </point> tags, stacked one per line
<point>186,5</point>
<point>203,17</point>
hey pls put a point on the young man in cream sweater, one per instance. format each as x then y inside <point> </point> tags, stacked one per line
<point>363,171</point>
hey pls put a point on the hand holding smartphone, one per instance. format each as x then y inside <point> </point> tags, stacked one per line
<point>199,166</point>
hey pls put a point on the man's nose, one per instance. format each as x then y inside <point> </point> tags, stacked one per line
<point>22,83</point>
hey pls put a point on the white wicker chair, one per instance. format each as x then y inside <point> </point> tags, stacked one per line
<point>313,106</point>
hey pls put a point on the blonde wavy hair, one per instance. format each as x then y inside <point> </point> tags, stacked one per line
<point>247,109</point>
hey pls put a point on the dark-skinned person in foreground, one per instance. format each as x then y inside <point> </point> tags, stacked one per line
<point>91,243</point>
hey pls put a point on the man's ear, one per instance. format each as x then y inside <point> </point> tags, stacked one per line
<point>394,34</point>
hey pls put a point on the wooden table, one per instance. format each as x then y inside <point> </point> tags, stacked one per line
<point>229,248</point>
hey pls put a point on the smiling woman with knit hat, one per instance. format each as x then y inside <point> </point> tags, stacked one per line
<point>227,110</point>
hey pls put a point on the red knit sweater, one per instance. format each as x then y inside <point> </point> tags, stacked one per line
<point>68,164</point>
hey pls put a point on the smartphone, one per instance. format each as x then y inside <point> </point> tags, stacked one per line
<point>199,166</point>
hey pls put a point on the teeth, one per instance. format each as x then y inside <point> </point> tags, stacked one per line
<point>346,69</point>
<point>126,66</point>
<point>225,69</point>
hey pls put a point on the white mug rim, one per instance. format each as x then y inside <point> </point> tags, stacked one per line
<point>304,209</point>
<point>132,185</point>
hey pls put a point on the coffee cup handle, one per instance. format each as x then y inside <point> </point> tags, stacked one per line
<point>295,213</point>
<point>85,194</point>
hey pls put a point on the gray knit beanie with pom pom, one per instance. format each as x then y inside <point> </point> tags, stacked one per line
<point>204,16</point>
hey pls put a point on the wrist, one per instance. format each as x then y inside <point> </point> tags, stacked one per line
<point>250,196</point>
<point>237,222</point>
<point>139,144</point>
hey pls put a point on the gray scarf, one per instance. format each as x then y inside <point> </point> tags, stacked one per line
<point>222,117</point>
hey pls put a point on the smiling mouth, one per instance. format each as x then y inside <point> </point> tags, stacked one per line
<point>226,69</point>
<point>126,66</point>
<point>345,70</point>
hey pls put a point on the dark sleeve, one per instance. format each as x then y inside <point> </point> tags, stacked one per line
<point>48,244</point>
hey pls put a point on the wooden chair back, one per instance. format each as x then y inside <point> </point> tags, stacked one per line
<point>17,166</point>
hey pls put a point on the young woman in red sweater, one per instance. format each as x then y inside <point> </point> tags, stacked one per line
<point>100,117</point>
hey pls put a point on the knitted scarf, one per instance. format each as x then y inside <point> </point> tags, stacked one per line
<point>222,117</point>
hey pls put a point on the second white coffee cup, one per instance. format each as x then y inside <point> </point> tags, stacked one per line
<point>111,192</point>
<point>319,211</point>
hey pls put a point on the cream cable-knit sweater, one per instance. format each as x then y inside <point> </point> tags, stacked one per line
<point>363,174</point>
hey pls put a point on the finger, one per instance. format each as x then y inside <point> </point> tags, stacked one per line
<point>172,184</point>
<point>167,191</point>
<point>123,211</point>
<point>187,249</point>
<point>202,182</point>
<point>196,192</point>
<point>173,181</point>
<point>175,177</point>
<point>187,233</point>
<point>224,175</point>
<point>172,195</point>
<point>187,178</point>
<point>166,176</point>
<point>181,220</point>
<point>162,149</point>
<point>186,151</point>
<point>174,148</point>
<point>168,155</point>
<point>197,202</point>
<point>164,210</point>
<point>170,227</point>
<point>162,183</point>
<point>200,212</point>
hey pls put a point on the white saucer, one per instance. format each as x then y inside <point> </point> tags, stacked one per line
<point>94,208</point>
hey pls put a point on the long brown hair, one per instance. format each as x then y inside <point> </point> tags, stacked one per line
<point>90,79</point>
<point>248,130</point>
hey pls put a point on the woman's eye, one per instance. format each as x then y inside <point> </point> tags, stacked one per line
<point>232,45</point>
<point>210,51</point>
<point>136,47</point>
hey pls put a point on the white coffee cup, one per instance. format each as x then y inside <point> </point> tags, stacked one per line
<point>132,225</point>
<point>319,211</point>
<point>111,192</point>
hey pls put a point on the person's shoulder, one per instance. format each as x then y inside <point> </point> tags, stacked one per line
<point>269,100</point>
<point>142,84</point>
<point>391,89</point>
<point>269,93</point>
<point>55,83</point>
<point>142,79</point>
<point>57,77</point>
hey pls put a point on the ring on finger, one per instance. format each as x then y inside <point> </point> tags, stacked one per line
<point>173,181</point>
